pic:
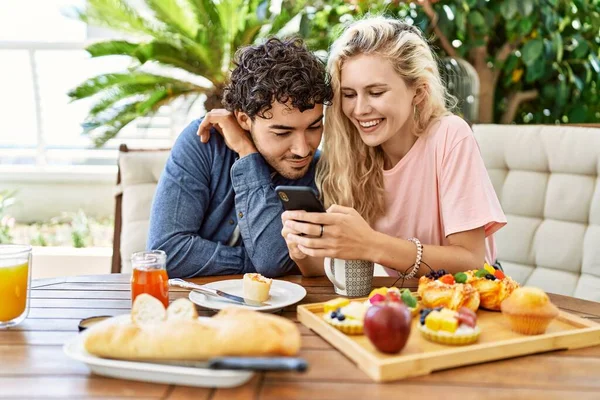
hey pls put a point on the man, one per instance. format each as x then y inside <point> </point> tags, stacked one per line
<point>215,211</point>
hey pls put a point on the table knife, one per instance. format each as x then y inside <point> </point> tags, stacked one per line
<point>245,363</point>
<point>216,293</point>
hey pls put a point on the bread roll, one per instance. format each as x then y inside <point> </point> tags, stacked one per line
<point>232,332</point>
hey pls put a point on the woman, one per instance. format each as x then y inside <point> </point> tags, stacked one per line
<point>403,178</point>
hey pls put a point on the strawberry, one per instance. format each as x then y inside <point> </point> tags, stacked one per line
<point>448,279</point>
<point>394,297</point>
<point>377,298</point>
<point>467,311</point>
<point>499,274</point>
<point>466,320</point>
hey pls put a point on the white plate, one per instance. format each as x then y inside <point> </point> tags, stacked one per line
<point>283,294</point>
<point>156,373</point>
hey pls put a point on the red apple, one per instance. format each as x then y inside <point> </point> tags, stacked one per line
<point>387,325</point>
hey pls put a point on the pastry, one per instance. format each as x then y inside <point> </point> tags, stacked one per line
<point>150,333</point>
<point>348,319</point>
<point>445,292</point>
<point>529,310</point>
<point>492,284</point>
<point>446,326</point>
<point>256,287</point>
<point>394,294</point>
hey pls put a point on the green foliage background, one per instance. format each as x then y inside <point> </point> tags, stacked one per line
<point>547,48</point>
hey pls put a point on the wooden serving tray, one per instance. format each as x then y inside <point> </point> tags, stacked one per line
<point>421,357</point>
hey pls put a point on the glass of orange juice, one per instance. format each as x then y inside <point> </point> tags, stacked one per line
<point>150,275</point>
<point>15,283</point>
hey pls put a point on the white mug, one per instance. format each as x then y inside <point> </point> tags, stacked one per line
<point>352,278</point>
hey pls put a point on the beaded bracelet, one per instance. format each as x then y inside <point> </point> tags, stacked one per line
<point>417,264</point>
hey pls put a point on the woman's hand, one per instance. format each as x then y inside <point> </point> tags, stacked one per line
<point>345,234</point>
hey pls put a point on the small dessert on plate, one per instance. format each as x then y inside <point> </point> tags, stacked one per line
<point>491,283</point>
<point>394,294</point>
<point>529,311</point>
<point>440,289</point>
<point>446,326</point>
<point>348,318</point>
<point>256,287</point>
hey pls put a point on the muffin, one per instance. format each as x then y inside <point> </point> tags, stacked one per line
<point>529,311</point>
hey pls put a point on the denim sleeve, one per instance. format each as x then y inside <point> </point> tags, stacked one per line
<point>179,209</point>
<point>259,216</point>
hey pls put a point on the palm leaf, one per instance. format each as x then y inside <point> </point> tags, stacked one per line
<point>111,48</point>
<point>169,55</point>
<point>105,127</point>
<point>117,15</point>
<point>101,82</point>
<point>177,15</point>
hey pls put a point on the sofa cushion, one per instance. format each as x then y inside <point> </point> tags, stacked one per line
<point>547,180</point>
<point>140,172</point>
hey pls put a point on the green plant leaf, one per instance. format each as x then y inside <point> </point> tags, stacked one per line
<point>509,8</point>
<point>101,82</point>
<point>535,70</point>
<point>476,19</point>
<point>179,15</point>
<point>532,50</point>
<point>526,7</point>
<point>112,47</point>
<point>557,43</point>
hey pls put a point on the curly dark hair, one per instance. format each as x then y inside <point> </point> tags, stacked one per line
<point>277,70</point>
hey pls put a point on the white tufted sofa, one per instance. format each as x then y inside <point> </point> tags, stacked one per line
<point>139,173</point>
<point>548,181</point>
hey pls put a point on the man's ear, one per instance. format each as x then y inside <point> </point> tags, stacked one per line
<point>244,120</point>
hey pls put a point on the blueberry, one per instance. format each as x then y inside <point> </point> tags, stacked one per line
<point>341,317</point>
<point>490,277</point>
<point>442,272</point>
<point>333,315</point>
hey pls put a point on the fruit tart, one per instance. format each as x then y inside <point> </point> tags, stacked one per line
<point>440,289</point>
<point>446,326</point>
<point>491,283</point>
<point>394,295</point>
<point>348,318</point>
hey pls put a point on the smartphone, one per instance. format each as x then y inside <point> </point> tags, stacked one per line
<point>299,198</point>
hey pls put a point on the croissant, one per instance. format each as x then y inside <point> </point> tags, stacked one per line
<point>492,293</point>
<point>438,294</point>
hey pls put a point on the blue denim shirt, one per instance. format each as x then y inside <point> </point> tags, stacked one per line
<point>204,192</point>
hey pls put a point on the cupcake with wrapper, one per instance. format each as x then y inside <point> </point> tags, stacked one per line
<point>529,311</point>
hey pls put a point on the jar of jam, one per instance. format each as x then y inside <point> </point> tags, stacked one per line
<point>149,275</point>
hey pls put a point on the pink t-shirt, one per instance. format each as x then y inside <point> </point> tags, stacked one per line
<point>441,187</point>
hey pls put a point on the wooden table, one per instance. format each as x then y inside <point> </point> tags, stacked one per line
<point>32,364</point>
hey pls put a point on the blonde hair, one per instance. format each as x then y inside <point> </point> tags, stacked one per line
<point>349,172</point>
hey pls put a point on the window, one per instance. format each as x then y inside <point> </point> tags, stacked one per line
<point>42,56</point>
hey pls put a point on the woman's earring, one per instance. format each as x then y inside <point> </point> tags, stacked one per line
<point>415,115</point>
